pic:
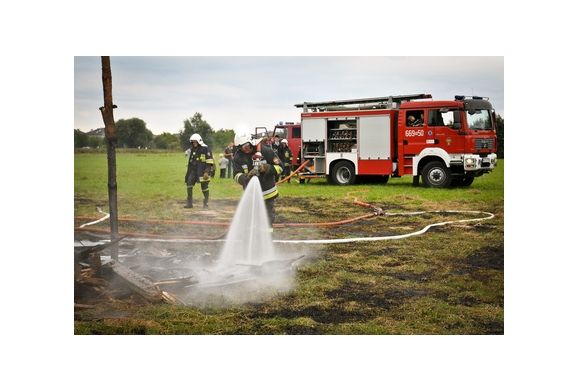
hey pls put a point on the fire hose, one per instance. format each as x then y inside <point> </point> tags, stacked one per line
<point>377,212</point>
<point>293,173</point>
<point>107,216</point>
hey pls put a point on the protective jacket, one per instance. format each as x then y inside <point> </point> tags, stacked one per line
<point>285,154</point>
<point>243,164</point>
<point>199,161</point>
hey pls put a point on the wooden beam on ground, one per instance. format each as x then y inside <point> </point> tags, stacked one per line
<point>138,283</point>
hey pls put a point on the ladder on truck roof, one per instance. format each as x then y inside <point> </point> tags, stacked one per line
<point>369,103</point>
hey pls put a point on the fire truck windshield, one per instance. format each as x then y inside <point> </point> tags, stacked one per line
<point>479,119</point>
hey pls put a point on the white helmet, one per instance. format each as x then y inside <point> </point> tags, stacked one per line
<point>243,138</point>
<point>196,137</point>
<point>284,141</point>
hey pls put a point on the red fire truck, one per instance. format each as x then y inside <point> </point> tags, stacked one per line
<point>293,134</point>
<point>443,142</point>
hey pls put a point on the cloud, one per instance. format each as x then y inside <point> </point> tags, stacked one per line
<point>164,91</point>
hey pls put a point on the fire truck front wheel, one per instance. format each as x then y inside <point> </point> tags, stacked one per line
<point>462,181</point>
<point>343,173</point>
<point>435,174</point>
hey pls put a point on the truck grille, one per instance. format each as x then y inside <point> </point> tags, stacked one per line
<point>484,144</point>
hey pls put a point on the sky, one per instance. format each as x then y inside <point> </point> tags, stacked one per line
<point>246,92</point>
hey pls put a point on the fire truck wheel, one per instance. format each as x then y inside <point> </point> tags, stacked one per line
<point>343,173</point>
<point>462,181</point>
<point>435,174</point>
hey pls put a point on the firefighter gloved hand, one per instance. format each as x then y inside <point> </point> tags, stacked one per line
<point>263,168</point>
<point>252,173</point>
<point>205,176</point>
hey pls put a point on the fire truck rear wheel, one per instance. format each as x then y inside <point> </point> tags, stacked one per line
<point>435,174</point>
<point>343,173</point>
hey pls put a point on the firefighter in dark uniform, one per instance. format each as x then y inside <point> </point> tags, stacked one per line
<point>268,166</point>
<point>285,155</point>
<point>199,168</point>
<point>275,145</point>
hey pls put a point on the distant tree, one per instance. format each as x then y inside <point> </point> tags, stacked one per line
<point>500,136</point>
<point>80,139</point>
<point>196,124</point>
<point>166,141</point>
<point>95,141</point>
<point>133,133</point>
<point>221,139</point>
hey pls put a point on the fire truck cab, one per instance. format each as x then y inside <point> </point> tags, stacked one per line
<point>443,142</point>
<point>293,134</point>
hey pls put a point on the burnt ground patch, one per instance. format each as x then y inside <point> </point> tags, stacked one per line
<point>486,258</point>
<point>463,299</point>
<point>318,210</point>
<point>411,276</point>
<point>334,315</point>
<point>337,314</point>
<point>373,296</point>
<point>490,327</point>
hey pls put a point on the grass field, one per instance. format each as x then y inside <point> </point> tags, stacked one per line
<point>447,281</point>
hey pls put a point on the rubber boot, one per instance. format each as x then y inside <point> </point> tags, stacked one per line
<point>206,199</point>
<point>189,198</point>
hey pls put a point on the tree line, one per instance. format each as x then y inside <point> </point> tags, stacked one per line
<point>133,133</point>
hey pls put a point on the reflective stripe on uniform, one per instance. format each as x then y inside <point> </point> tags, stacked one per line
<point>236,178</point>
<point>278,169</point>
<point>270,193</point>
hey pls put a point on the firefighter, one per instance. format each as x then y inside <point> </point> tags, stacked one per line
<point>199,168</point>
<point>254,158</point>
<point>285,155</point>
<point>412,121</point>
<point>275,145</point>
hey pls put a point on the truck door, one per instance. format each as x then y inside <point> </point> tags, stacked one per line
<point>414,134</point>
<point>443,130</point>
<point>294,139</point>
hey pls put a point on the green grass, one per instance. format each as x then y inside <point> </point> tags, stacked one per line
<point>149,183</point>
<point>447,281</point>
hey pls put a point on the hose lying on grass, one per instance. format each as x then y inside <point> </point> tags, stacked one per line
<point>377,212</point>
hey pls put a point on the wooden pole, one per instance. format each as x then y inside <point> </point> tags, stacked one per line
<point>111,135</point>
